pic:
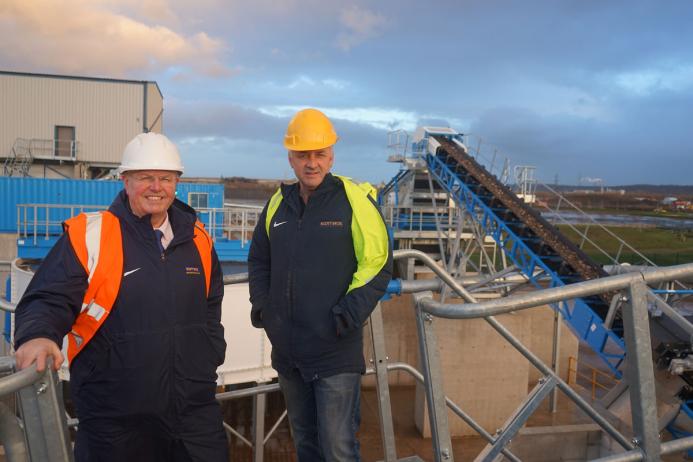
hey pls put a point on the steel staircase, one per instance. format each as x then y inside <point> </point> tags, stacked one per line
<point>20,159</point>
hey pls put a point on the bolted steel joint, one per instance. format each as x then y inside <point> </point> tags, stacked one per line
<point>41,388</point>
<point>445,453</point>
<point>428,318</point>
<point>635,441</point>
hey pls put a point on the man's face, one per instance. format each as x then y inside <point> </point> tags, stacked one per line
<point>311,167</point>
<point>150,192</point>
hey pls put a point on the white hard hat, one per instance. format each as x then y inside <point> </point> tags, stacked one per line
<point>151,151</point>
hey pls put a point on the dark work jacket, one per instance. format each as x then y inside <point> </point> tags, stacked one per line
<point>298,282</point>
<point>155,357</point>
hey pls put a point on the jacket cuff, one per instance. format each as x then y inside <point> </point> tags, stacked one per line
<point>341,321</point>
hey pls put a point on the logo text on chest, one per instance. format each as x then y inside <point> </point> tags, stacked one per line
<point>331,224</point>
<point>192,270</point>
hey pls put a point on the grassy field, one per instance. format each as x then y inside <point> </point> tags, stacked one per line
<point>643,213</point>
<point>662,246</point>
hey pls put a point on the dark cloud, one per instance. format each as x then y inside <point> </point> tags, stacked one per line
<point>229,140</point>
<point>546,82</point>
<point>645,142</point>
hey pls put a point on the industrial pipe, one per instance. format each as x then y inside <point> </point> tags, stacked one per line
<point>12,436</point>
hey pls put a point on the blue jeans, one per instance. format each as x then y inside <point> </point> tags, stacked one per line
<point>324,416</point>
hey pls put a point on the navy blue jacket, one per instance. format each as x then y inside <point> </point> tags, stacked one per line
<point>156,355</point>
<point>298,282</point>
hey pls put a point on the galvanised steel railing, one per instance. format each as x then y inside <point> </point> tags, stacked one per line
<point>41,434</point>
<point>640,372</point>
<point>42,221</point>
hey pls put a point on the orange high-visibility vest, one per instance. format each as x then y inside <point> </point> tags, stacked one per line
<point>98,244</point>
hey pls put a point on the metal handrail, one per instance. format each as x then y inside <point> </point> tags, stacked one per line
<point>669,447</point>
<point>640,370</point>
<point>592,379</point>
<point>45,220</point>
<point>6,305</point>
<point>20,379</point>
<point>557,294</point>
<point>531,357</point>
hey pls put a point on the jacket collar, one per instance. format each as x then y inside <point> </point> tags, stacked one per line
<point>290,192</point>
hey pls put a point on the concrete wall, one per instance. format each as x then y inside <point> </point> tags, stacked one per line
<point>562,442</point>
<point>401,342</point>
<point>482,372</point>
<point>541,342</point>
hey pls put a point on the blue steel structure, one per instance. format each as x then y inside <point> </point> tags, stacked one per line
<point>581,318</point>
<point>24,190</point>
<point>492,218</point>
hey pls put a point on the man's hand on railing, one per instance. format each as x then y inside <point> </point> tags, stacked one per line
<point>36,351</point>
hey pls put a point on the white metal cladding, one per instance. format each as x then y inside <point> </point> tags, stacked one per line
<point>155,109</point>
<point>106,114</point>
<point>248,350</point>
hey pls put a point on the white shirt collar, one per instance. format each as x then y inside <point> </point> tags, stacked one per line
<point>166,229</point>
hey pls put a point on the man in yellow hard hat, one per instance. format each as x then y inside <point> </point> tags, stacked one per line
<point>319,262</point>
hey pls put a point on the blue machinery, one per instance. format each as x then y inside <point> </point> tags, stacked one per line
<point>540,254</point>
<point>581,317</point>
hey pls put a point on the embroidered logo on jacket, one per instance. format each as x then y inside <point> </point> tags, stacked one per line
<point>192,270</point>
<point>331,224</point>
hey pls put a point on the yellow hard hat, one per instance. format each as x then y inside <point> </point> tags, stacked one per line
<point>309,130</point>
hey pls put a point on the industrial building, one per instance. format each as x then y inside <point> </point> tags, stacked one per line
<point>57,126</point>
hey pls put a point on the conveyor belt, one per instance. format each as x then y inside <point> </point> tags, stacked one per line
<point>530,242</point>
<point>569,262</point>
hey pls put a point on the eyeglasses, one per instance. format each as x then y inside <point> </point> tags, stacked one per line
<point>151,179</point>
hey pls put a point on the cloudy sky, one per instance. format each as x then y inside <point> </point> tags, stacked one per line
<point>578,88</point>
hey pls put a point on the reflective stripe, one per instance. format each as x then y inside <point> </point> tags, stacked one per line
<point>272,207</point>
<point>77,337</point>
<point>97,241</point>
<point>95,310</point>
<point>93,241</point>
<point>368,231</point>
<point>203,242</point>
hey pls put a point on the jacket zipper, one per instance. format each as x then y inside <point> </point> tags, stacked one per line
<point>291,279</point>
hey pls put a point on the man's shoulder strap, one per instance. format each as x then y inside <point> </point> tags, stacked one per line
<point>272,207</point>
<point>352,188</point>
<point>368,231</point>
<point>97,241</point>
<point>203,242</point>
<point>85,232</point>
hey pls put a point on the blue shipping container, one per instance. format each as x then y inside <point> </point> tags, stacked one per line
<point>96,193</point>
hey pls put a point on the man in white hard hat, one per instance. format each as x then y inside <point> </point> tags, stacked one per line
<point>135,292</point>
<point>319,262</point>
